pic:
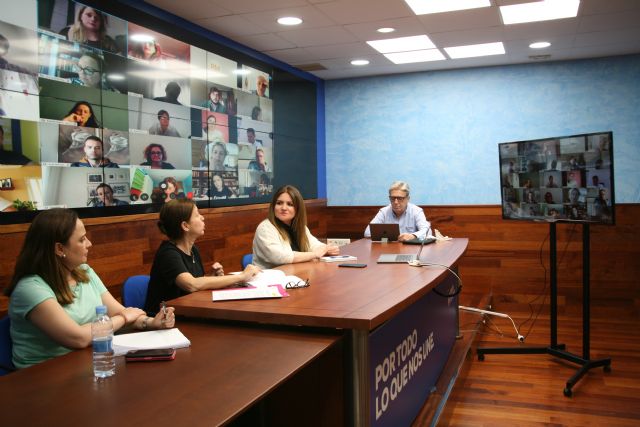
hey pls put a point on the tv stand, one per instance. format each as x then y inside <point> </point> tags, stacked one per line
<point>555,349</point>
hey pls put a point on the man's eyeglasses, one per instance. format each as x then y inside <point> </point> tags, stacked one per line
<point>299,284</point>
<point>397,198</point>
<point>86,70</point>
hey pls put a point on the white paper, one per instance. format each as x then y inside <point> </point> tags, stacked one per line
<point>162,338</point>
<point>272,277</point>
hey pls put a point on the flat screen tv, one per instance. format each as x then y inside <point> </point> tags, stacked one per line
<point>566,178</point>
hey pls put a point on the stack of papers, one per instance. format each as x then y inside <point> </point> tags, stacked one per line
<point>271,291</point>
<point>163,338</point>
<point>338,258</point>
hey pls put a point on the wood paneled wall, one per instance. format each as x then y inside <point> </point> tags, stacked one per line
<point>125,246</point>
<point>510,259</point>
<point>505,258</point>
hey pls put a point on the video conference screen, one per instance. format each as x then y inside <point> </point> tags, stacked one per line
<point>564,178</point>
<point>100,113</point>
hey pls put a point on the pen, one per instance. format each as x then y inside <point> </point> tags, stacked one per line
<point>164,310</point>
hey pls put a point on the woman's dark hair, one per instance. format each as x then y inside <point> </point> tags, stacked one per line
<point>147,151</point>
<point>299,223</point>
<point>255,113</point>
<point>92,122</point>
<point>38,256</point>
<point>172,215</point>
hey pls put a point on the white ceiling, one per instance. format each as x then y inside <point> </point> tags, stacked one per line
<point>335,31</point>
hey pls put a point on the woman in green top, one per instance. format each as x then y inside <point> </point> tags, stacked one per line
<point>54,293</point>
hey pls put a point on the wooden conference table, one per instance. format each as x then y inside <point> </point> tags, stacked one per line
<point>353,299</point>
<point>227,369</point>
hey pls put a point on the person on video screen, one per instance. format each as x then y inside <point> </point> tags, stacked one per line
<point>155,156</point>
<point>548,198</point>
<point>90,69</point>
<point>93,155</point>
<point>251,138</point>
<point>215,156</point>
<point>104,194</point>
<point>574,196</point>
<point>167,190</point>
<point>148,50</point>
<point>259,164</point>
<point>551,183</point>
<point>215,102</point>
<point>6,65</point>
<point>413,222</point>
<point>262,85</point>
<point>82,114</point>
<point>163,127</point>
<point>172,92</point>
<point>9,157</point>
<point>601,204</point>
<point>90,28</point>
<point>213,134</point>
<point>256,113</point>
<point>218,188</point>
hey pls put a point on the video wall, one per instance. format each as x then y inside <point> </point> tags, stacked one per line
<point>99,112</point>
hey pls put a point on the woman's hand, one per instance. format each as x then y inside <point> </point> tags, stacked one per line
<point>320,251</point>
<point>250,271</point>
<point>332,250</point>
<point>131,314</point>
<point>164,320</point>
<point>73,117</point>
<point>217,269</point>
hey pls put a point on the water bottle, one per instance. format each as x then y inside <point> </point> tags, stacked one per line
<point>104,362</point>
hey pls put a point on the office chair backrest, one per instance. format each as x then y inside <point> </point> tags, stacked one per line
<point>246,260</point>
<point>6,365</point>
<point>134,291</point>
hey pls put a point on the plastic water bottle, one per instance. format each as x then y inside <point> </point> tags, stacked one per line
<point>104,362</point>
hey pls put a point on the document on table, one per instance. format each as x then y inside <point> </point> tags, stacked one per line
<point>270,277</point>
<point>269,291</point>
<point>162,338</point>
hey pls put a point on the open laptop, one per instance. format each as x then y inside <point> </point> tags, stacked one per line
<point>404,258</point>
<point>381,231</point>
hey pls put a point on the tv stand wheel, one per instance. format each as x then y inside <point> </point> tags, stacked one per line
<point>607,368</point>
<point>481,357</point>
<point>567,392</point>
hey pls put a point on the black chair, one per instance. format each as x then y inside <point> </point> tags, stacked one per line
<point>6,364</point>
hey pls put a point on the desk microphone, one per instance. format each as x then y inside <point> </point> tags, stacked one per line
<point>416,262</point>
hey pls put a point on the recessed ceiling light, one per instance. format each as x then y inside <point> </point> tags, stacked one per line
<point>470,51</point>
<point>402,44</point>
<point>426,55</point>
<point>360,62</point>
<point>142,38</point>
<point>117,77</point>
<point>545,10</point>
<point>289,20</point>
<point>423,7</point>
<point>539,45</point>
<point>386,30</point>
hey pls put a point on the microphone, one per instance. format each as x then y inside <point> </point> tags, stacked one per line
<point>495,313</point>
<point>416,262</point>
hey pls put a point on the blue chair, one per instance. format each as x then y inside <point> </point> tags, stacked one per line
<point>134,291</point>
<point>6,365</point>
<point>246,260</point>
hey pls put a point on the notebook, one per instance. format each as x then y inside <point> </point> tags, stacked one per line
<point>402,258</point>
<point>388,231</point>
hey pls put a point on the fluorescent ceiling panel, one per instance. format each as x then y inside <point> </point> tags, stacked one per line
<point>423,7</point>
<point>546,10</point>
<point>415,56</point>
<point>402,44</point>
<point>470,51</point>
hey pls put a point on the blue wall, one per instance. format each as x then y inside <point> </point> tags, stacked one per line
<point>440,131</point>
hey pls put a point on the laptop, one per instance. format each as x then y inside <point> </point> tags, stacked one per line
<point>404,258</point>
<point>381,231</point>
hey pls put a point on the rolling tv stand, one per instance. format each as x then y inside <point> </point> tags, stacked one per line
<point>555,349</point>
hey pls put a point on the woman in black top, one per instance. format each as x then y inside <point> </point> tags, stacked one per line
<point>177,267</point>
